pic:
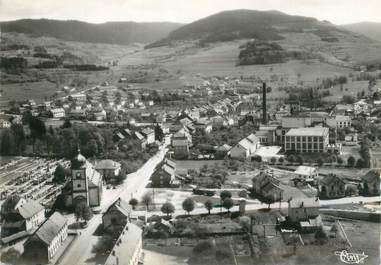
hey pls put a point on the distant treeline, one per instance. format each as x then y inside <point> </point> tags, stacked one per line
<point>11,47</point>
<point>86,67</point>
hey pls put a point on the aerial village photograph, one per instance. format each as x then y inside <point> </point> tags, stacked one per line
<point>189,132</point>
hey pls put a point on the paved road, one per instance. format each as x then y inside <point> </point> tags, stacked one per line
<point>80,252</point>
<point>253,205</point>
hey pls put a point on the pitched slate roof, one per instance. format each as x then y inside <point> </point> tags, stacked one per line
<point>50,228</point>
<point>122,206</point>
<point>30,209</point>
<point>327,180</point>
<point>107,164</point>
<point>371,175</point>
<point>304,170</point>
<point>179,142</point>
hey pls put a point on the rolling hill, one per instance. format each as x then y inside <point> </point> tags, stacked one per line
<point>370,29</point>
<point>241,24</point>
<point>110,32</point>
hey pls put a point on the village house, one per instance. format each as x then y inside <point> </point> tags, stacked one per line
<point>44,244</point>
<point>86,185</point>
<point>267,186</point>
<point>108,168</point>
<point>343,109</point>
<point>304,212</point>
<point>164,175</point>
<point>339,121</point>
<point>128,247</point>
<point>222,151</point>
<point>57,113</point>
<point>180,148</point>
<point>306,173</point>
<point>371,183</point>
<point>351,139</point>
<point>331,186</point>
<point>116,216</point>
<point>245,148</point>
<point>5,124</point>
<point>19,215</point>
<point>149,135</point>
<point>303,140</point>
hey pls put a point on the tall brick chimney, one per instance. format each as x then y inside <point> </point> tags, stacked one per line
<point>264,109</point>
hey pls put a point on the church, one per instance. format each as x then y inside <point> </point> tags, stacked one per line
<point>86,184</point>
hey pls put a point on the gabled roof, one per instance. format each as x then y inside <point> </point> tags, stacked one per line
<point>330,178</point>
<point>122,206</point>
<point>139,136</point>
<point>252,138</point>
<point>50,228</point>
<point>170,163</point>
<point>107,164</point>
<point>179,142</point>
<point>371,175</point>
<point>304,170</point>
<point>147,131</point>
<point>30,209</point>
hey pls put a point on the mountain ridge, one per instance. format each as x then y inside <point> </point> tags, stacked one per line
<point>370,29</point>
<point>112,32</point>
<point>244,23</point>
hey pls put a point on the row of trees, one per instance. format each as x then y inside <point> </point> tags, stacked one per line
<point>188,204</point>
<point>351,161</point>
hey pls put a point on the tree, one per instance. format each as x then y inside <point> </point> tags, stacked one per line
<point>7,143</point>
<point>360,163</point>
<point>208,205</point>
<point>228,204</point>
<point>59,174</point>
<point>273,160</point>
<point>299,159</point>
<point>168,208</point>
<point>242,193</point>
<point>225,194</point>
<point>320,161</point>
<point>188,205</point>
<point>147,200</point>
<point>351,161</point>
<point>82,211</point>
<point>159,135</point>
<point>133,202</point>
<point>257,158</point>
<point>340,161</point>
<point>11,256</point>
<point>291,158</point>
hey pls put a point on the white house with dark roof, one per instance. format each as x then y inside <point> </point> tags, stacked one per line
<point>19,215</point>
<point>108,168</point>
<point>303,209</point>
<point>48,238</point>
<point>306,173</point>
<point>116,216</point>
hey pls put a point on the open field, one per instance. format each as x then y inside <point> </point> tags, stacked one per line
<point>23,91</point>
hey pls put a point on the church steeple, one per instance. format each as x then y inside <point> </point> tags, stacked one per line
<point>78,161</point>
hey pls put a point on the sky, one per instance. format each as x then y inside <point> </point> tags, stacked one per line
<point>185,11</point>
